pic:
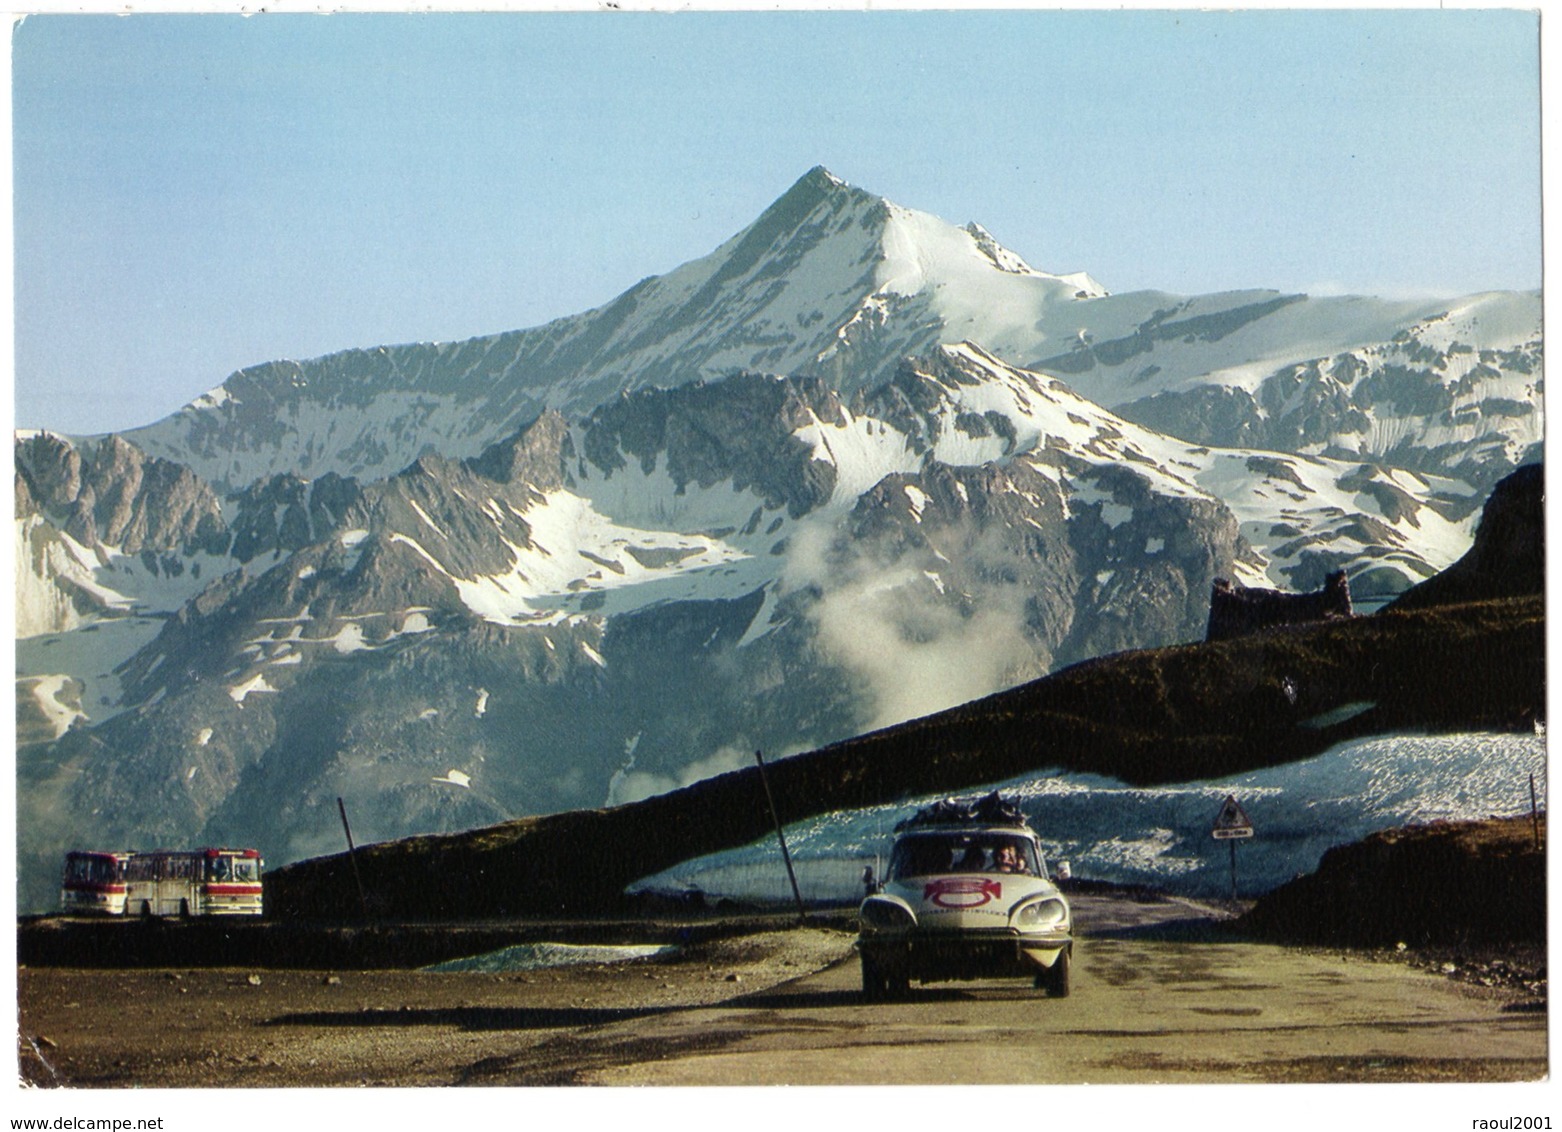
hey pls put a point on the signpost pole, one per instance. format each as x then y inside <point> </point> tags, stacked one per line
<point>352,855</point>
<point>1231,826</point>
<point>802,912</point>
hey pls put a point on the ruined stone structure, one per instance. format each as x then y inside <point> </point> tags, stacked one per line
<point>1236,611</point>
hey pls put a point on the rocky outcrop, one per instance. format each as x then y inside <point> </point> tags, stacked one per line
<point>104,531</point>
<point>740,430</point>
<point>1148,557</point>
<point>112,494</point>
<point>539,455</point>
<point>1463,883</point>
<point>283,514</point>
<point>1508,557</point>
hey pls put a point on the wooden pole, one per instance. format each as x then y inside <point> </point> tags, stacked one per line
<point>802,913</point>
<point>352,855</point>
<point>1233,844</point>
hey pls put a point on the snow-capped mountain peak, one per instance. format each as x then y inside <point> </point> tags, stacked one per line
<point>830,280</point>
<point>854,465</point>
<point>836,282</point>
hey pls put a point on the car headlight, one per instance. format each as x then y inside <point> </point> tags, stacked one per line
<point>880,915</point>
<point>1039,915</point>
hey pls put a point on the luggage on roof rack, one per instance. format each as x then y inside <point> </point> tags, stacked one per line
<point>990,810</point>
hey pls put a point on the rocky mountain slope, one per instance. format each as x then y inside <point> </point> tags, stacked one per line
<point>1181,714</point>
<point>609,557</point>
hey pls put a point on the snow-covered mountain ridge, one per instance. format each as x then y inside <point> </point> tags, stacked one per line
<point>794,490</point>
<point>835,282</point>
<point>964,509</point>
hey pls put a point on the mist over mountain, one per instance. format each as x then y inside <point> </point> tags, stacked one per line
<point>854,466</point>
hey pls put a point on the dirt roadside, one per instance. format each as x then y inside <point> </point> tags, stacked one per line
<point>251,1027</point>
<point>1159,996</point>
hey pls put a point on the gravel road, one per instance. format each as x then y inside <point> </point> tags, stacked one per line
<point>1158,997</point>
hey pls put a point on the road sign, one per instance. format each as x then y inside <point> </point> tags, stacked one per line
<point>1232,822</point>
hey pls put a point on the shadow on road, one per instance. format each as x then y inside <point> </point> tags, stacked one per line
<point>482,1018</point>
<point>917,996</point>
<point>477,1017</point>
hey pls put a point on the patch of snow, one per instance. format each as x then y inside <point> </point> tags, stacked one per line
<point>91,657</point>
<point>256,683</point>
<point>214,399</point>
<point>349,639</point>
<point>45,692</point>
<point>1115,514</point>
<point>433,526</point>
<point>415,622</point>
<point>861,453</point>
<point>541,956</point>
<point>763,622</point>
<point>1160,836</point>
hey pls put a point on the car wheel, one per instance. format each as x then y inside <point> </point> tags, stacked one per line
<point>897,983</point>
<point>1055,980</point>
<point>873,982</point>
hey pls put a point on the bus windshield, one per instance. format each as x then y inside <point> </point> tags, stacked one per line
<point>226,867</point>
<point>91,868</point>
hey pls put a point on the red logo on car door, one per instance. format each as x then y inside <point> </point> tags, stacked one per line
<point>962,892</point>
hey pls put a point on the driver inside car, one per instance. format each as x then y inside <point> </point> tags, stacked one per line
<point>1008,860</point>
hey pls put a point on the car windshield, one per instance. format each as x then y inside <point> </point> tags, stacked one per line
<point>927,854</point>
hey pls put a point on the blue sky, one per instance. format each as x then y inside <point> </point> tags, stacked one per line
<point>198,193</point>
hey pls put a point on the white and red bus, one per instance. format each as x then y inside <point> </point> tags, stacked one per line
<point>194,882</point>
<point>94,883</point>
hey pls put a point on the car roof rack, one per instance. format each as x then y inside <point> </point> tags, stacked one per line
<point>987,811</point>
